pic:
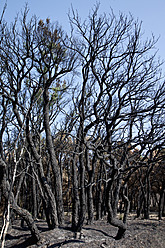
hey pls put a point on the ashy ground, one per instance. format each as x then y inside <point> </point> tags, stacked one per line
<point>140,234</point>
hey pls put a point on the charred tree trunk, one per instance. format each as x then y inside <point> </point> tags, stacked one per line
<point>75,197</point>
<point>44,183</point>
<point>147,199</point>
<point>27,217</point>
<point>21,212</point>
<point>47,211</point>
<point>34,196</point>
<point>19,186</point>
<point>37,157</point>
<point>111,212</point>
<point>146,196</point>
<point>90,204</point>
<point>81,141</point>
<point>162,201</point>
<point>139,204</point>
<point>82,190</point>
<point>99,193</point>
<point>53,160</point>
<point>91,171</point>
<point>116,196</point>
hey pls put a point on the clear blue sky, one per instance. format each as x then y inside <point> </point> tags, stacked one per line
<point>150,12</point>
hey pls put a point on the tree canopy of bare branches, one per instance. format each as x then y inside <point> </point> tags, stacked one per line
<point>82,121</point>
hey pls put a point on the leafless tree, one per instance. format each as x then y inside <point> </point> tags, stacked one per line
<point>120,95</point>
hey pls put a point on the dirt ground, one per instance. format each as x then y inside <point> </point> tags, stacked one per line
<point>140,234</point>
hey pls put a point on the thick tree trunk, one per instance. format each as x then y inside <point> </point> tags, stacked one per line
<point>116,196</point>
<point>117,223</point>
<point>111,213</point>
<point>55,166</point>
<point>45,185</point>
<point>28,219</point>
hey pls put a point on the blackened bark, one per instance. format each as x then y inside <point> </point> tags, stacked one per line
<point>28,219</point>
<point>49,212</point>
<point>104,195</point>
<point>126,203</point>
<point>19,186</point>
<point>121,231</point>
<point>3,125</point>
<point>98,201</point>
<point>53,160</point>
<point>162,200</point>
<point>44,182</point>
<point>139,204</point>
<point>90,204</point>
<point>147,198</point>
<point>34,196</point>
<point>82,190</point>
<point>91,171</point>
<point>75,196</point>
<point>81,141</point>
<point>111,212</point>
<point>146,195</point>
<point>116,196</point>
<point>21,212</point>
<point>99,193</point>
<point>37,157</point>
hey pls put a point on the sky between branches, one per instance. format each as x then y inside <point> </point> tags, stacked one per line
<point>150,12</point>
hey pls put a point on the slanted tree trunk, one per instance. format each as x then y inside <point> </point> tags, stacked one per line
<point>53,160</point>
<point>27,217</point>
<point>19,186</point>
<point>48,212</point>
<point>21,212</point>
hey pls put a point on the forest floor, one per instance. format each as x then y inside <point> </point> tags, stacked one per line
<point>140,234</point>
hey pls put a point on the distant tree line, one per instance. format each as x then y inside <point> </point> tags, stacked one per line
<point>82,122</point>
